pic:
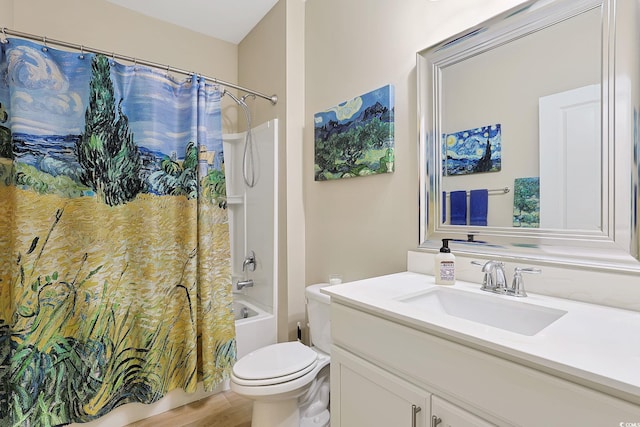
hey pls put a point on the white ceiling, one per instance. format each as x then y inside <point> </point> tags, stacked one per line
<point>228,20</point>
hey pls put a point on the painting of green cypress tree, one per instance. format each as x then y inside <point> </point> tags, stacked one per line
<point>109,158</point>
<point>526,202</point>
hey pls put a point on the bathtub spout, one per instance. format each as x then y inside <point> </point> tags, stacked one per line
<point>241,284</point>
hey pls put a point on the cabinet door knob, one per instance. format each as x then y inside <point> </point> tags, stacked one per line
<point>414,415</point>
<point>435,420</point>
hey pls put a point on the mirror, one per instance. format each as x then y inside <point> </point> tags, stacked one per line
<point>528,131</point>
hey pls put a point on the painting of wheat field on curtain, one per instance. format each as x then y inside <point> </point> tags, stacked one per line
<point>115,281</point>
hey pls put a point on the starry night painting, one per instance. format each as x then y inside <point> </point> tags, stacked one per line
<point>472,151</point>
<point>355,138</point>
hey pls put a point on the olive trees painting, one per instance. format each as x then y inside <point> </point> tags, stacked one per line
<point>355,138</point>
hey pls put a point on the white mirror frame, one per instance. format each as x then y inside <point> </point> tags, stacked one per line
<point>616,245</point>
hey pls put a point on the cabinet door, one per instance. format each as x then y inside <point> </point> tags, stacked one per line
<point>363,395</point>
<point>450,415</point>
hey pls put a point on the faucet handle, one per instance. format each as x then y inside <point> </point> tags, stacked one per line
<point>250,260</point>
<point>486,280</point>
<point>517,286</point>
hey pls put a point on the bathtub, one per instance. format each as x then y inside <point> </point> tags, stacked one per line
<point>255,327</point>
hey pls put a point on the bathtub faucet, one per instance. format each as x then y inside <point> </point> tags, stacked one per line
<point>244,284</point>
<point>249,261</point>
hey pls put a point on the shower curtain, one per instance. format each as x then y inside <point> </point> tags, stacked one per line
<point>115,277</point>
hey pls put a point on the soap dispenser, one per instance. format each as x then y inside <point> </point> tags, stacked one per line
<point>445,265</point>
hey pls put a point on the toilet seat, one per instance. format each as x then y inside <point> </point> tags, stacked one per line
<point>275,364</point>
<point>277,391</point>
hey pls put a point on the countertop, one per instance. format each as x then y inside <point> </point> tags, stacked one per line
<point>592,345</point>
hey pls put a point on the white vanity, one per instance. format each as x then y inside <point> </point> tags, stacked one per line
<point>403,355</point>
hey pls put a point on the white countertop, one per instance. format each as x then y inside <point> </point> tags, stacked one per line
<point>593,345</point>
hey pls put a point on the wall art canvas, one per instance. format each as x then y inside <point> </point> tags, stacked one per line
<point>355,138</point>
<point>526,202</point>
<point>473,151</point>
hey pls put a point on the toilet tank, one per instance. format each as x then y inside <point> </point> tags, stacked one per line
<point>319,320</point>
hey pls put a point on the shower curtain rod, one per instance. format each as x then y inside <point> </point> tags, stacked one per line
<point>168,68</point>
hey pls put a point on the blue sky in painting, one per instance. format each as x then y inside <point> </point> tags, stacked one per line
<point>50,90</point>
<point>349,110</point>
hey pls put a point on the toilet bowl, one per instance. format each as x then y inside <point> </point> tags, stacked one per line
<point>289,382</point>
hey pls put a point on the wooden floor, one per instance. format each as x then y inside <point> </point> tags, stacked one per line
<point>225,409</point>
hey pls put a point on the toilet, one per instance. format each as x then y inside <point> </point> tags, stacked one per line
<point>289,382</point>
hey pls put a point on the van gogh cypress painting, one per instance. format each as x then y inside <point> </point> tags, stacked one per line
<point>355,138</point>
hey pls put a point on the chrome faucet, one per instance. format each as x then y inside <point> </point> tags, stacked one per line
<point>241,284</point>
<point>494,278</point>
<point>249,261</point>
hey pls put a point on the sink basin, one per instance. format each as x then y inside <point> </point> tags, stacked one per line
<point>490,310</point>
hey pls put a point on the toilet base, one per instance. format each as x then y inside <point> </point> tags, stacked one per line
<point>281,413</point>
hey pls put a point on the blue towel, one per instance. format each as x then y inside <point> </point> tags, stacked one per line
<point>444,207</point>
<point>478,207</point>
<point>458,201</point>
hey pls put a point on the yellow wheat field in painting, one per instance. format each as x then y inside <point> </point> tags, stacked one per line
<point>144,279</point>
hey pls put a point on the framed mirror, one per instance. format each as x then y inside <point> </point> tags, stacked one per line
<point>528,135</point>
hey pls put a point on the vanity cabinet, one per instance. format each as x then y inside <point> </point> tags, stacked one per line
<point>445,414</point>
<point>364,395</point>
<point>381,367</point>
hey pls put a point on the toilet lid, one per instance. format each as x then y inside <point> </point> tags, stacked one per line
<point>276,360</point>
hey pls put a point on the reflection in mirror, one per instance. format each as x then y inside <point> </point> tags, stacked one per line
<point>517,123</point>
<point>503,87</point>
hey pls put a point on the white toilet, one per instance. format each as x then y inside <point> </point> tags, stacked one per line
<point>289,382</point>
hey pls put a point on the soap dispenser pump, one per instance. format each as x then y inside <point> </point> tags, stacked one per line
<point>445,265</point>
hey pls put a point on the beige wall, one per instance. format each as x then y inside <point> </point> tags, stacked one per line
<point>363,227</point>
<point>6,13</point>
<point>271,59</point>
<point>105,26</point>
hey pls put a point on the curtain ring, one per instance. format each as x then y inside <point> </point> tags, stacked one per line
<point>135,64</point>
<point>4,36</point>
<point>81,56</point>
<point>44,42</point>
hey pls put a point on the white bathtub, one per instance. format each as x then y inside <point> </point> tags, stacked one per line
<point>256,329</point>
